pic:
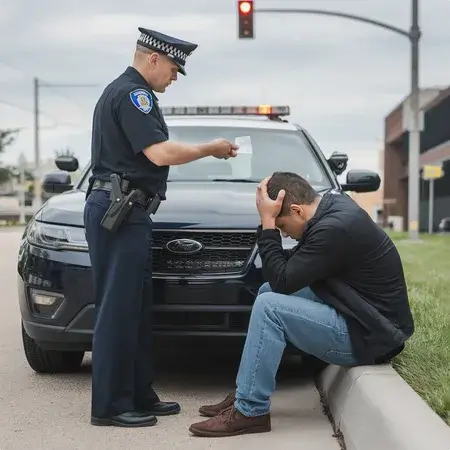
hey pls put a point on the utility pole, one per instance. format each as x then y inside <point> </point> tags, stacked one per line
<point>414,130</point>
<point>413,34</point>
<point>38,84</point>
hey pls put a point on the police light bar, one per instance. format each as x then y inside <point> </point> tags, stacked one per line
<point>260,110</point>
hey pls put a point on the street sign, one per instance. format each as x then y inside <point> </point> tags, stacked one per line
<point>432,172</point>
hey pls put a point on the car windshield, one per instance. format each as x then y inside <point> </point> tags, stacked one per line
<point>272,150</point>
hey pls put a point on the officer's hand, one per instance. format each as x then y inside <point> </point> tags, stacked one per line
<point>223,149</point>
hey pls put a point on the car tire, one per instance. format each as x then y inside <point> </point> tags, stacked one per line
<point>50,361</point>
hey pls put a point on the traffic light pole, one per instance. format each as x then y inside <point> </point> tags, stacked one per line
<point>413,34</point>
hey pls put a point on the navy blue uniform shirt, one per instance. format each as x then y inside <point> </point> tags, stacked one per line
<point>126,120</point>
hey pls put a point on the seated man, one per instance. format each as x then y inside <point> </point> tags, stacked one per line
<point>339,295</point>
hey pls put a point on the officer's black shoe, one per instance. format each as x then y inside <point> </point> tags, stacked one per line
<point>131,419</point>
<point>161,409</point>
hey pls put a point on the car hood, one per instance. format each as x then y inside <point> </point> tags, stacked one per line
<point>193,205</point>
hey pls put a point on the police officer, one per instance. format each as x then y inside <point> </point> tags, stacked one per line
<point>131,155</point>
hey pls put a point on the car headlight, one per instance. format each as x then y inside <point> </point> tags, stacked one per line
<point>57,237</point>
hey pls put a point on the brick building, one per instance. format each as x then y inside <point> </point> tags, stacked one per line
<point>434,149</point>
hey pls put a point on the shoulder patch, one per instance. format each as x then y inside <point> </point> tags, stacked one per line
<point>142,99</point>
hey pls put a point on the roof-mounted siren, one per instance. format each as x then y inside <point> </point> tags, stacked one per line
<point>270,111</point>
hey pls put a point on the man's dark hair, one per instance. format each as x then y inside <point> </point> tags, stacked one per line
<point>297,190</point>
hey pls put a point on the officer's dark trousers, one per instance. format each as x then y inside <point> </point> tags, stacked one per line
<point>121,265</point>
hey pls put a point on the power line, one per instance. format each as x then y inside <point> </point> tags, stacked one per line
<point>53,88</point>
<point>43,113</point>
<point>7,64</point>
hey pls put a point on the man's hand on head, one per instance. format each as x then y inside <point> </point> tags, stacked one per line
<point>268,209</point>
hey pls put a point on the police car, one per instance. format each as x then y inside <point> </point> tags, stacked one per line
<point>206,266</point>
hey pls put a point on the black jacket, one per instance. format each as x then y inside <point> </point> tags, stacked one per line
<point>350,263</point>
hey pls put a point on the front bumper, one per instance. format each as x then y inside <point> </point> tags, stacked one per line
<point>213,307</point>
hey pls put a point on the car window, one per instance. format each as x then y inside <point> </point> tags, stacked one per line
<point>272,150</point>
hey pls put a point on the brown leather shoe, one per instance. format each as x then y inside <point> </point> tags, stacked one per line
<point>230,422</point>
<point>214,410</point>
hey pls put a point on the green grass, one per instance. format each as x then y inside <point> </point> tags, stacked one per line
<point>425,362</point>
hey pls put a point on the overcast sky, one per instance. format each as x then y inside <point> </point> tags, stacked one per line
<point>340,78</point>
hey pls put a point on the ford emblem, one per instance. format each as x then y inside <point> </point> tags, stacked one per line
<point>184,246</point>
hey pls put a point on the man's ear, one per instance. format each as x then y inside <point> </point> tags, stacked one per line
<point>153,58</point>
<point>297,209</point>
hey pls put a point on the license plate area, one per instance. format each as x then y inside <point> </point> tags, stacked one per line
<point>202,294</point>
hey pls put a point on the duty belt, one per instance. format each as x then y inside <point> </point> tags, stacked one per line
<point>122,199</point>
<point>143,198</point>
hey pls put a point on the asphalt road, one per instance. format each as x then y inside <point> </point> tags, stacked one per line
<point>52,412</point>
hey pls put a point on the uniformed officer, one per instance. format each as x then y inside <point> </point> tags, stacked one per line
<point>130,139</point>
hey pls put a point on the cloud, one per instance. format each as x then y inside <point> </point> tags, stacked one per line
<point>340,77</point>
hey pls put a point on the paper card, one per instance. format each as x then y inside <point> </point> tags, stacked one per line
<point>244,143</point>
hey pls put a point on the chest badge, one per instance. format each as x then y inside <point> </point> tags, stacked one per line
<point>142,100</point>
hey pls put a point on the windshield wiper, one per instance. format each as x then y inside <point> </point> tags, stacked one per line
<point>236,180</point>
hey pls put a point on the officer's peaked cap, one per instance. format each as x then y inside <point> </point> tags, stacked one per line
<point>174,48</point>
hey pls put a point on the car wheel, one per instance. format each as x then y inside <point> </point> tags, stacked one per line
<point>50,361</point>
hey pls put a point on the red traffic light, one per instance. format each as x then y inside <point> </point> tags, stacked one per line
<point>245,7</point>
<point>245,19</point>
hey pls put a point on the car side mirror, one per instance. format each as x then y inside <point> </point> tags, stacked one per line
<point>67,163</point>
<point>57,182</point>
<point>338,162</point>
<point>362,181</point>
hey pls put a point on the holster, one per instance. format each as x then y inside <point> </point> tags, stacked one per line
<point>153,204</point>
<point>120,205</point>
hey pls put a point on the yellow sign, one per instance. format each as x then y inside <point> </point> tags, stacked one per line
<point>432,172</point>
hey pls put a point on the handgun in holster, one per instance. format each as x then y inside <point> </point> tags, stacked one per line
<point>120,205</point>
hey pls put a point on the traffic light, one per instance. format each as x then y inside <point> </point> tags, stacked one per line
<point>245,19</point>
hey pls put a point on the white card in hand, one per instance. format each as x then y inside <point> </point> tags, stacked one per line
<point>244,143</point>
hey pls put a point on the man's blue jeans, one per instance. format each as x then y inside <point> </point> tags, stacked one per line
<point>300,318</point>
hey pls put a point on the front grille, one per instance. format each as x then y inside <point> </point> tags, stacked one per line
<point>222,252</point>
<point>207,239</point>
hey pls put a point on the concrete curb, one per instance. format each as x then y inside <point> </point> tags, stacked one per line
<point>375,409</point>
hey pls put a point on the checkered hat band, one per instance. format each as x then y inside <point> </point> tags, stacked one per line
<point>166,48</point>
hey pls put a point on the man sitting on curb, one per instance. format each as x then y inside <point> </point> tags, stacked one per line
<point>339,295</point>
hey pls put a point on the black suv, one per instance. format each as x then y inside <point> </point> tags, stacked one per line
<point>206,266</point>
